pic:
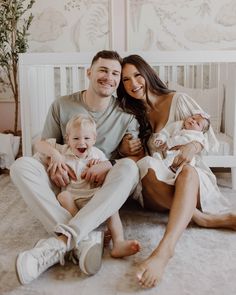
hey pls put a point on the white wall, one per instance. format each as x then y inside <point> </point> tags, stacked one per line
<point>92,25</point>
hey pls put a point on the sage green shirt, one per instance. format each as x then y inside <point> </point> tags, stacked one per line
<point>112,124</point>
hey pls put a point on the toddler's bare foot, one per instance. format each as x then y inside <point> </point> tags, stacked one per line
<point>150,271</point>
<point>125,248</point>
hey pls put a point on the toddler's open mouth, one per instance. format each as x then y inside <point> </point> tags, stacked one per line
<point>81,150</point>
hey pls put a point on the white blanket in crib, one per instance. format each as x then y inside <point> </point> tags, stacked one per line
<point>9,145</point>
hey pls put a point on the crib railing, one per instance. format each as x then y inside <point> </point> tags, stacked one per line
<point>45,76</point>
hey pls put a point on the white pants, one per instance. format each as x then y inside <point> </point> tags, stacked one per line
<point>32,180</point>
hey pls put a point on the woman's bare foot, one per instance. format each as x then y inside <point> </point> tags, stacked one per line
<point>150,271</point>
<point>223,220</point>
<point>125,248</point>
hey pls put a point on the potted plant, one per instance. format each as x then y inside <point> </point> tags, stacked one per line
<point>14,26</point>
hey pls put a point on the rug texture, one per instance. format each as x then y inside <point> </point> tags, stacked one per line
<point>204,261</point>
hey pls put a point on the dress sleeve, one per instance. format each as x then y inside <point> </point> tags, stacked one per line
<point>185,106</point>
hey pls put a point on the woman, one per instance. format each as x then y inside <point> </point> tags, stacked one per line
<point>142,93</point>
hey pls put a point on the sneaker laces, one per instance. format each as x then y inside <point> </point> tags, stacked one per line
<point>48,257</point>
<point>73,257</point>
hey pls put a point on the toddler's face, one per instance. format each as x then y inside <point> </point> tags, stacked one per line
<point>195,122</point>
<point>81,140</point>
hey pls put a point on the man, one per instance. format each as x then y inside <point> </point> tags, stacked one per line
<point>38,191</point>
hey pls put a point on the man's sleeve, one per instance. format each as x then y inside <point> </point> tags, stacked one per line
<point>133,127</point>
<point>52,127</point>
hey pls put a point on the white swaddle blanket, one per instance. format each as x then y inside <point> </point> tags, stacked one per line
<point>9,146</point>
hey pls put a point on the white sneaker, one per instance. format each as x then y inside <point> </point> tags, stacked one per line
<point>31,263</point>
<point>89,253</point>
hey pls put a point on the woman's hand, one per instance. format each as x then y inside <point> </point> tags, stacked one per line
<point>130,146</point>
<point>163,147</point>
<point>186,153</point>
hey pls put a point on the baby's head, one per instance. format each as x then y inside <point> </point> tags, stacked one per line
<point>81,134</point>
<point>199,121</point>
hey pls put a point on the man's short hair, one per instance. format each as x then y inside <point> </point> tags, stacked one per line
<point>107,54</point>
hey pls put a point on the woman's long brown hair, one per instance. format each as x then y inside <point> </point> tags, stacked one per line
<point>135,106</point>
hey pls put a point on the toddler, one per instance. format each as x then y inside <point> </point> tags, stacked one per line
<point>80,153</point>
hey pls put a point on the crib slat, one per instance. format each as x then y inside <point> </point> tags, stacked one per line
<point>186,75</point>
<point>199,76</point>
<point>41,95</point>
<point>162,73</point>
<point>75,78</point>
<point>63,80</point>
<point>174,73</point>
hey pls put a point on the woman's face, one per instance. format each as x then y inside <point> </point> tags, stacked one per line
<point>134,83</point>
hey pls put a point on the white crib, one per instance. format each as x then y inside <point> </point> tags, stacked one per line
<point>208,76</point>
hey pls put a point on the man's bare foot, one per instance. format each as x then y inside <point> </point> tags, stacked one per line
<point>125,248</point>
<point>150,271</point>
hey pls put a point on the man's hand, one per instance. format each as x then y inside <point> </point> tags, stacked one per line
<point>56,162</point>
<point>61,177</point>
<point>130,146</point>
<point>96,174</point>
<point>186,153</point>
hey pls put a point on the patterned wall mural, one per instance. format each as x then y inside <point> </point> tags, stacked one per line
<point>85,25</point>
<point>181,25</point>
<point>70,25</point>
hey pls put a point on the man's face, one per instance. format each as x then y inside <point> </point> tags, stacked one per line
<point>104,76</point>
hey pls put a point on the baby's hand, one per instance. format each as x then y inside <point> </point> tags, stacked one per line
<point>158,142</point>
<point>93,162</point>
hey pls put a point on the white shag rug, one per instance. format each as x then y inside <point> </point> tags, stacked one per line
<point>204,261</point>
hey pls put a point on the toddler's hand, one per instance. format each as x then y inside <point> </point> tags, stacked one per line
<point>92,162</point>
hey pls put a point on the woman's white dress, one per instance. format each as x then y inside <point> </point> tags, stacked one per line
<point>211,199</point>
